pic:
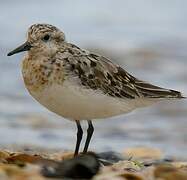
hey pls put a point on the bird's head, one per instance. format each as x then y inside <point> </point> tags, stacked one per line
<point>41,38</point>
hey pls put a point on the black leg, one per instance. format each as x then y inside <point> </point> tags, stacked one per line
<point>79,138</point>
<point>90,131</point>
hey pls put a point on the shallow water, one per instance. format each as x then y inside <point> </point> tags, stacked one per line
<point>148,38</point>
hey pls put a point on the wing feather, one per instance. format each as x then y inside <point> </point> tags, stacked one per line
<point>99,73</point>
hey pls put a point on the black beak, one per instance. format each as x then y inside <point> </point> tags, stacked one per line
<point>24,47</point>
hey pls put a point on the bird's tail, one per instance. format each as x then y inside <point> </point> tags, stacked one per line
<point>151,91</point>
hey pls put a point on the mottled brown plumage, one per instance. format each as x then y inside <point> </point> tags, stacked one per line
<point>97,72</point>
<point>80,85</point>
<point>93,71</point>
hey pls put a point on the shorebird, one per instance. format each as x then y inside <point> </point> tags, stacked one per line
<point>79,85</point>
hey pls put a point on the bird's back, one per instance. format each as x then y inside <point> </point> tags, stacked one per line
<point>99,73</point>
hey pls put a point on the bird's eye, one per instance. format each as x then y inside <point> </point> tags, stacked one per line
<point>46,37</point>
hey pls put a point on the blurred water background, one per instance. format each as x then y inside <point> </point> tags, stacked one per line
<point>147,37</point>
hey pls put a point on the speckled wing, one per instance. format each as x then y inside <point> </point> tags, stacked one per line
<point>99,73</point>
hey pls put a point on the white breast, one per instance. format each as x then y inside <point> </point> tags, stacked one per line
<point>77,103</point>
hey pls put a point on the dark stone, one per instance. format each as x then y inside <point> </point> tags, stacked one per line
<point>148,163</point>
<point>81,167</point>
<point>110,157</point>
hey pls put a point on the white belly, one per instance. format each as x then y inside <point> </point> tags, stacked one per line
<point>77,103</point>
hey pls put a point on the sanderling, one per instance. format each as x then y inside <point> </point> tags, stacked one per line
<point>80,85</point>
